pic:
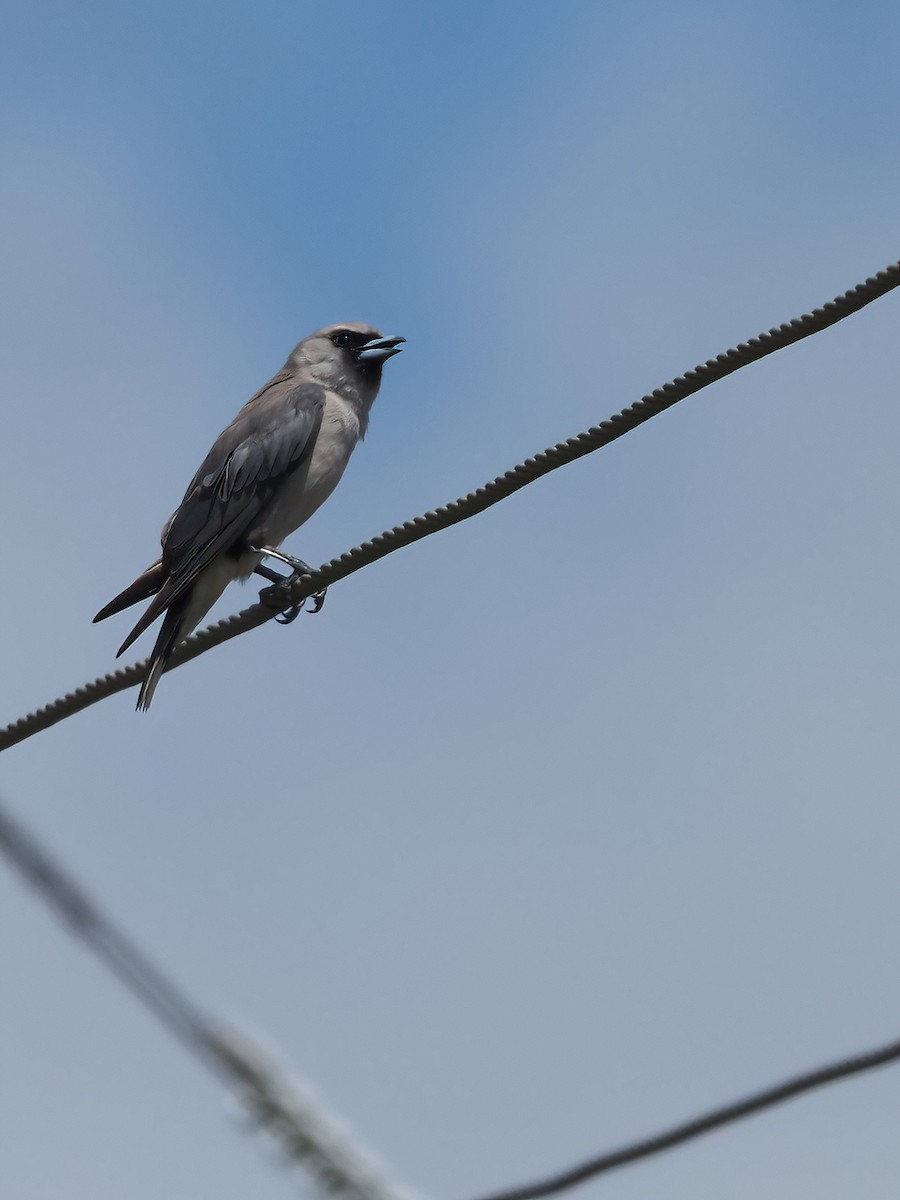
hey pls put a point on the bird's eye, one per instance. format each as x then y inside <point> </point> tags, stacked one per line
<point>341,339</point>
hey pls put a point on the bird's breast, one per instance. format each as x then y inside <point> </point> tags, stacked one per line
<point>310,486</point>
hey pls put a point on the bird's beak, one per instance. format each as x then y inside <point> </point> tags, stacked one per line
<point>381,349</point>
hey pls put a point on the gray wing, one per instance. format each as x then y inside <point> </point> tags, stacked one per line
<point>270,438</point>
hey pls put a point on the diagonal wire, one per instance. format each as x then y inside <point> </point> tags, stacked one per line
<point>308,1135</point>
<point>797,1085</point>
<point>474,502</point>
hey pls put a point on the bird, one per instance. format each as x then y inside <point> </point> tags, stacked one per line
<point>280,458</point>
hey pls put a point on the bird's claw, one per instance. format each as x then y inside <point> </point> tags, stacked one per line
<point>278,596</point>
<point>289,614</point>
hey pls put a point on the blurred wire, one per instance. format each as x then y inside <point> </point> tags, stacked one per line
<point>298,1121</point>
<point>307,1134</point>
<point>698,1126</point>
<point>475,502</point>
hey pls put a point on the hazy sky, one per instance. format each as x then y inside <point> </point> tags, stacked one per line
<point>561,825</point>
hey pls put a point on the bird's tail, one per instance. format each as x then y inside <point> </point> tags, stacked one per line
<point>143,588</point>
<point>170,634</point>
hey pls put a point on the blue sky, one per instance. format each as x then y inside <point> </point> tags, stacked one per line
<point>563,824</point>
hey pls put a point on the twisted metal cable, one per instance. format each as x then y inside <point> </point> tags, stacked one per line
<point>476,501</point>
<point>709,1121</point>
<point>306,1132</point>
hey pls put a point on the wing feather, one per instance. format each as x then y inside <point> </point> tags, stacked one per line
<point>271,437</point>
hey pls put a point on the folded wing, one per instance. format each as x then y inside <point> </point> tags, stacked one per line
<point>272,436</point>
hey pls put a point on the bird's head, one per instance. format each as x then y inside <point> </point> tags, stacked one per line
<point>347,357</point>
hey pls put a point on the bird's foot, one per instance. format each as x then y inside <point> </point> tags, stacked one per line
<point>278,596</point>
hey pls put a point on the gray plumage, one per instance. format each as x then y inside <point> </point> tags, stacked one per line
<point>267,473</point>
